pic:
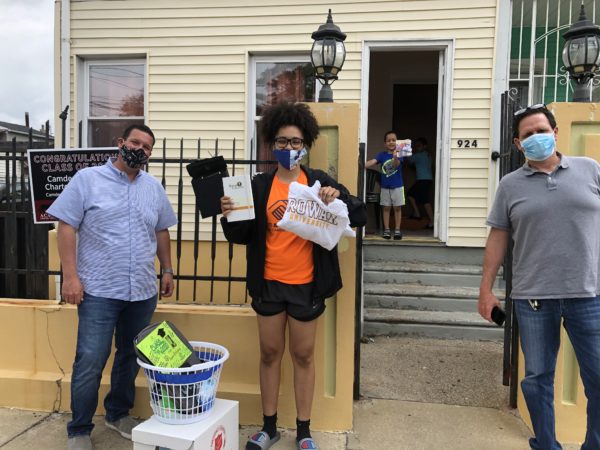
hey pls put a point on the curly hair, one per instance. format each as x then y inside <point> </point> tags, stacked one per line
<point>289,114</point>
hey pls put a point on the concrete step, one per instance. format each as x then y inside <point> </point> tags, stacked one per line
<point>423,278</point>
<point>379,250</point>
<point>445,325</point>
<point>420,290</point>
<point>420,303</point>
<point>425,290</point>
<point>424,273</point>
<point>420,267</point>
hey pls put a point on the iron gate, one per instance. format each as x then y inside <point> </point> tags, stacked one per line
<point>23,245</point>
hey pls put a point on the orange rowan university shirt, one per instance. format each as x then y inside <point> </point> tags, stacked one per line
<point>289,258</point>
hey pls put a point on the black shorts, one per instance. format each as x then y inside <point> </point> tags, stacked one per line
<point>420,191</point>
<point>294,299</point>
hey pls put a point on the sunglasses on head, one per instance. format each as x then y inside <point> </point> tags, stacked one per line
<point>522,111</point>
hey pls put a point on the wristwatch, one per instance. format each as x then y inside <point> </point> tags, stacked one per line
<point>168,271</point>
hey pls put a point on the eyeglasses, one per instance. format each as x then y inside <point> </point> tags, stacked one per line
<point>282,142</point>
<point>522,111</point>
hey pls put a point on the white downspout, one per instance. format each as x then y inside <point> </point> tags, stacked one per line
<point>65,66</point>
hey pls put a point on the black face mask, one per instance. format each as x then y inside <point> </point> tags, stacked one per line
<point>134,158</point>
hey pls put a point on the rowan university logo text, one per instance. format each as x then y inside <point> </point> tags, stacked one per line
<point>310,213</point>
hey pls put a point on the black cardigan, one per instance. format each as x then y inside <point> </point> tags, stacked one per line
<point>253,233</point>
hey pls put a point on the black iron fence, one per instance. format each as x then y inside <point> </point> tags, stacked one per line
<point>510,159</point>
<point>208,269</point>
<point>208,281</point>
<point>23,245</point>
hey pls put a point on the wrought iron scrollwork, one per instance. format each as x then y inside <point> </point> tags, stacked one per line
<point>513,94</point>
<point>563,76</point>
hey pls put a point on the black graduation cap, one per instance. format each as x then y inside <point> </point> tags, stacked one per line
<point>207,175</point>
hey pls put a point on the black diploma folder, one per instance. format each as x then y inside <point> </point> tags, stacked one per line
<point>207,175</point>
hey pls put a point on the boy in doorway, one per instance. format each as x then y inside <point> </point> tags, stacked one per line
<point>392,185</point>
<point>419,192</point>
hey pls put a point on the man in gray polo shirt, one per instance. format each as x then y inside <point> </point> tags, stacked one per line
<point>551,209</point>
<point>113,222</point>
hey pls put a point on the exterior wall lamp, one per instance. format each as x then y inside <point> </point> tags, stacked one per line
<point>327,56</point>
<point>581,55</point>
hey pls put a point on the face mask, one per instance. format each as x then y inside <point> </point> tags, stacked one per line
<point>134,158</point>
<point>539,147</point>
<point>289,158</point>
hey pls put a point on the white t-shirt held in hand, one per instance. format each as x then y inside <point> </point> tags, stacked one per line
<point>310,218</point>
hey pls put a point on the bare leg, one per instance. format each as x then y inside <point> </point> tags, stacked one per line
<point>271,333</point>
<point>429,211</point>
<point>397,216</point>
<point>302,349</point>
<point>386,217</point>
<point>415,208</point>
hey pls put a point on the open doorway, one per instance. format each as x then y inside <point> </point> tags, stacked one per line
<point>414,117</point>
<point>406,93</point>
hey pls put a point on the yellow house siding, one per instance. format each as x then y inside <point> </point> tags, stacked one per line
<point>197,79</point>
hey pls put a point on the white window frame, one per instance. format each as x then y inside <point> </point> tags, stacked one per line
<point>252,118</point>
<point>85,92</point>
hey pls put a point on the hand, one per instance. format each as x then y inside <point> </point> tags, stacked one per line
<point>72,290</point>
<point>226,205</point>
<point>328,194</point>
<point>166,284</point>
<point>487,301</point>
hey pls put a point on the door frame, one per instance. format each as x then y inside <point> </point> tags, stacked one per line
<point>445,47</point>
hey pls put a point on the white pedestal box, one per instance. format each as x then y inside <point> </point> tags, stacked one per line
<point>217,431</point>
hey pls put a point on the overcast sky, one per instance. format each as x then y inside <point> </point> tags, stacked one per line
<point>26,61</point>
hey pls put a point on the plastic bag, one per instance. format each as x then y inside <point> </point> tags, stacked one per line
<point>310,218</point>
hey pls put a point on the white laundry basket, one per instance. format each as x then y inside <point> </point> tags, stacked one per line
<point>187,394</point>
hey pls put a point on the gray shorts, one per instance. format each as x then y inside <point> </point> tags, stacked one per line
<point>392,197</point>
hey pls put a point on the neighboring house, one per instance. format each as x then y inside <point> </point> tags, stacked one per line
<point>432,68</point>
<point>8,131</point>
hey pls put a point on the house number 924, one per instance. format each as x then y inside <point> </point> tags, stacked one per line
<point>466,143</point>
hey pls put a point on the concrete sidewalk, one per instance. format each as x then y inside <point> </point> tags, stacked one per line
<point>416,394</point>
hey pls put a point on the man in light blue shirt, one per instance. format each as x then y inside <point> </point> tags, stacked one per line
<point>113,222</point>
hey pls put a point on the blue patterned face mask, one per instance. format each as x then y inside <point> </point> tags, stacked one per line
<point>289,158</point>
<point>539,147</point>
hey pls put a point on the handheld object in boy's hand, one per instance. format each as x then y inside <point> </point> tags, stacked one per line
<point>403,148</point>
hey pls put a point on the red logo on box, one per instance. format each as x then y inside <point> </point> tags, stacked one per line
<point>219,439</point>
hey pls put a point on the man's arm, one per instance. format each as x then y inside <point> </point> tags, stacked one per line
<point>72,289</point>
<point>163,251</point>
<point>495,249</point>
